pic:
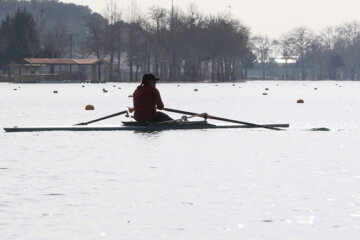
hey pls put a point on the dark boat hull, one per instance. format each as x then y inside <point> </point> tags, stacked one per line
<point>136,127</point>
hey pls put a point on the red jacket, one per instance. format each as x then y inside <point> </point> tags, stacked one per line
<point>146,100</point>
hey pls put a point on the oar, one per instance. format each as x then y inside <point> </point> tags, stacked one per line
<point>220,119</point>
<point>103,118</point>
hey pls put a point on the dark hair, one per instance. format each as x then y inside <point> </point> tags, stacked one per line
<point>146,77</point>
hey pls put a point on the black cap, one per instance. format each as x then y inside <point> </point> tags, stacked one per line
<point>149,76</point>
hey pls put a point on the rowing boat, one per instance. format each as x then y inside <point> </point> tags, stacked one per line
<point>142,127</point>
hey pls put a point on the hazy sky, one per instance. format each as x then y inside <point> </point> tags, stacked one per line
<point>269,17</point>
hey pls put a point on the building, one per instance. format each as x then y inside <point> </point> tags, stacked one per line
<point>56,70</point>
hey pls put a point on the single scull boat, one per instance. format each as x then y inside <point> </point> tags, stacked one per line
<point>179,124</point>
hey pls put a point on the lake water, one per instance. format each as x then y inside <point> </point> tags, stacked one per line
<point>199,184</point>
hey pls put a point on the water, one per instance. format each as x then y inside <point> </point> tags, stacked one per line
<point>198,184</point>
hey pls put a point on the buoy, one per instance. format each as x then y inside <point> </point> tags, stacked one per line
<point>119,87</point>
<point>114,85</point>
<point>300,101</point>
<point>265,93</point>
<point>266,89</point>
<point>14,89</point>
<point>56,92</point>
<point>315,88</point>
<point>104,90</point>
<point>233,84</point>
<point>195,90</point>
<point>89,107</point>
<point>83,86</point>
<point>178,85</point>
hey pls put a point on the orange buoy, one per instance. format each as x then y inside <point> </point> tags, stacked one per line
<point>89,107</point>
<point>300,101</point>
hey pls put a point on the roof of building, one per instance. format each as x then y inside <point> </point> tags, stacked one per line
<point>65,61</point>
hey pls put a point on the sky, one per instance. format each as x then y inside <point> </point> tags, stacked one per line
<point>266,17</point>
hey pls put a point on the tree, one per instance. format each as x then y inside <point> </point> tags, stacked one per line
<point>248,61</point>
<point>318,53</point>
<point>283,47</point>
<point>348,46</point>
<point>113,35</point>
<point>95,40</point>
<point>19,37</point>
<point>300,42</point>
<point>262,46</point>
<point>335,62</point>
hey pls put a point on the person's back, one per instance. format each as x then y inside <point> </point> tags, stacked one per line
<point>147,99</point>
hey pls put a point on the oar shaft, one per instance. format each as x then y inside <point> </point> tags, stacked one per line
<point>103,118</point>
<point>221,119</point>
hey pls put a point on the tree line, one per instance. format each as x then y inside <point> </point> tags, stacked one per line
<point>182,45</point>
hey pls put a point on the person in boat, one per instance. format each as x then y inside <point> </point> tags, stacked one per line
<point>147,99</point>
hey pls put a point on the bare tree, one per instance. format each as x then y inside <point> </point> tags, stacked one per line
<point>113,35</point>
<point>301,41</point>
<point>95,38</point>
<point>262,46</point>
<point>348,45</point>
<point>283,47</point>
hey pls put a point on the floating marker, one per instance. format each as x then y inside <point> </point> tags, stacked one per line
<point>300,101</point>
<point>265,93</point>
<point>89,108</point>
<point>119,87</point>
<point>233,84</point>
<point>195,90</point>
<point>114,85</point>
<point>56,92</point>
<point>83,86</point>
<point>266,89</point>
<point>15,89</point>
<point>315,88</point>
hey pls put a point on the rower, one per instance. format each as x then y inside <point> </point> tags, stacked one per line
<point>147,99</point>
